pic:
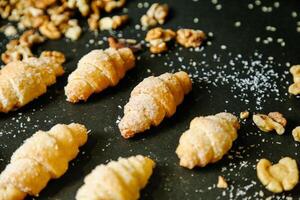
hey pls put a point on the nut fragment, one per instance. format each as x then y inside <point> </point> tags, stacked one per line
<point>279,177</point>
<point>156,14</point>
<point>57,56</point>
<point>296,133</point>
<point>273,121</point>
<point>278,117</point>
<point>9,30</point>
<point>73,31</point>
<point>121,43</point>
<point>244,115</point>
<point>190,38</point>
<point>30,38</point>
<point>43,3</point>
<point>82,6</point>
<point>49,30</point>
<point>111,23</point>
<point>110,5</point>
<point>295,87</point>
<point>222,183</point>
<point>157,39</point>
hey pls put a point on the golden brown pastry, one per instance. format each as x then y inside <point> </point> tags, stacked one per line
<point>118,180</point>
<point>98,70</point>
<point>152,100</point>
<point>24,81</point>
<point>42,157</point>
<point>207,140</point>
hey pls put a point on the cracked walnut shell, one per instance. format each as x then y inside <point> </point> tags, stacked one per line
<point>279,177</point>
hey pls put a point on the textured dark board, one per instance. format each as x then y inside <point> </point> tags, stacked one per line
<point>100,113</point>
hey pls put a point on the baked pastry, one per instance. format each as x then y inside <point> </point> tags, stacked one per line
<point>42,157</point>
<point>152,100</point>
<point>118,180</point>
<point>207,140</point>
<point>23,81</point>
<point>98,70</point>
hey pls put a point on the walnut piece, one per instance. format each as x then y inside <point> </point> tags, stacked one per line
<point>57,56</point>
<point>73,30</point>
<point>272,121</point>
<point>49,30</point>
<point>156,14</point>
<point>158,39</point>
<point>295,87</point>
<point>190,38</point>
<point>244,115</point>
<point>110,5</point>
<point>279,177</point>
<point>222,183</point>
<point>296,134</point>
<point>9,30</point>
<point>82,6</point>
<point>112,23</point>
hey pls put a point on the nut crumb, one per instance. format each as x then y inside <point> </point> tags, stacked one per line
<point>222,183</point>
<point>296,134</point>
<point>244,114</point>
<point>190,38</point>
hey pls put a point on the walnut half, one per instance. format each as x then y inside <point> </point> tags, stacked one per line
<point>296,134</point>
<point>272,121</point>
<point>158,39</point>
<point>279,177</point>
<point>295,87</point>
<point>156,14</point>
<point>190,38</point>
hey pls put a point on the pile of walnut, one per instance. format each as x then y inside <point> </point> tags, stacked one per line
<point>295,87</point>
<point>53,18</point>
<point>272,121</point>
<point>158,38</point>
